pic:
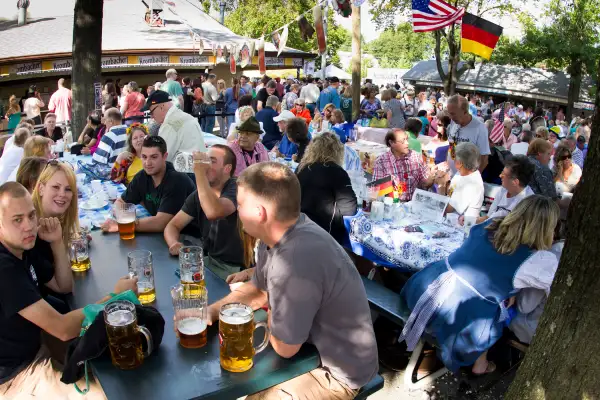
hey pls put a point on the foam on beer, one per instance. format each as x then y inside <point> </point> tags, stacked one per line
<point>235,316</point>
<point>120,318</point>
<point>191,326</point>
<point>126,220</point>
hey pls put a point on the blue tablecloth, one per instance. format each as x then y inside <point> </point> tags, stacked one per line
<point>391,246</point>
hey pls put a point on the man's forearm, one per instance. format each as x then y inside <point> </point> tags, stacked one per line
<point>483,162</point>
<point>246,294</point>
<point>152,224</point>
<point>62,267</point>
<point>171,235</point>
<point>209,202</point>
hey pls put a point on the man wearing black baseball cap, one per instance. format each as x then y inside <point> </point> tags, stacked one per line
<point>330,95</point>
<point>180,131</point>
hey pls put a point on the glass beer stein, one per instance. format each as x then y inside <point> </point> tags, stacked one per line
<point>139,264</point>
<point>123,333</point>
<point>191,312</point>
<point>236,332</point>
<point>79,252</point>
<point>125,216</point>
<point>191,266</point>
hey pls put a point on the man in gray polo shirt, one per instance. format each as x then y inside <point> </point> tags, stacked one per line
<point>466,128</point>
<point>312,289</point>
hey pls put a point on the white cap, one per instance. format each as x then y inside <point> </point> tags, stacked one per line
<point>520,106</point>
<point>290,77</point>
<point>284,116</point>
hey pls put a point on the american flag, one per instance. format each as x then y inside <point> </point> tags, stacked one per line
<point>431,15</point>
<point>498,130</point>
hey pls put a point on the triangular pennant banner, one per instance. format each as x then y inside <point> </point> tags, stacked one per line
<point>306,30</point>
<point>245,57</point>
<point>282,40</point>
<point>320,29</point>
<point>262,62</point>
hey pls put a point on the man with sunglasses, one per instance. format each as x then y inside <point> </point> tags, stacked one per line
<point>158,187</point>
<point>180,131</point>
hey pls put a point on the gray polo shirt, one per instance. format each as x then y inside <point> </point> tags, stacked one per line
<point>316,295</point>
<point>474,132</point>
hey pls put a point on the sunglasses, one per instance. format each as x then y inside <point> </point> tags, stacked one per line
<point>56,163</point>
<point>564,158</point>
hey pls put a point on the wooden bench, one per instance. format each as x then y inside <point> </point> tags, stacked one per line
<point>388,304</point>
<point>373,386</point>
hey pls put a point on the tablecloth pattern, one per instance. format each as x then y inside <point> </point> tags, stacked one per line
<point>95,218</point>
<point>390,245</point>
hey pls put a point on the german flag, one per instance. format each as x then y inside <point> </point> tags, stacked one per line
<point>479,36</point>
<point>385,186</point>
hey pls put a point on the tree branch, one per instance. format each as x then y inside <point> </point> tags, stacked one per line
<point>490,9</point>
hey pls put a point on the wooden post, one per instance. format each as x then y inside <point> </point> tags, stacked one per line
<point>356,62</point>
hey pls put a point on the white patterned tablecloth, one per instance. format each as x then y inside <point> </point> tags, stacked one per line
<point>411,251</point>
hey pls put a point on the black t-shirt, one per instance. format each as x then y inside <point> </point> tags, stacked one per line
<point>56,134</point>
<point>20,282</point>
<point>221,237</point>
<point>262,95</point>
<point>168,197</point>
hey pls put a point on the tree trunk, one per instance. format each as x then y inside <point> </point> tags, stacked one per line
<point>438,55</point>
<point>575,70</point>
<point>453,58</point>
<point>563,362</point>
<point>356,61</point>
<point>87,53</point>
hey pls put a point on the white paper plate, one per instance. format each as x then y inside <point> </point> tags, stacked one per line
<point>87,206</point>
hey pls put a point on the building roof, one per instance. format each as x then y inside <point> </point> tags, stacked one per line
<point>510,80</point>
<point>49,30</point>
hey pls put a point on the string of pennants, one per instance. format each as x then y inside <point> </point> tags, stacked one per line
<point>241,53</point>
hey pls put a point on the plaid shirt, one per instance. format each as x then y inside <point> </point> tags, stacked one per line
<point>410,169</point>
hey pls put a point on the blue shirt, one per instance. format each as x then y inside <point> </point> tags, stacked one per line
<point>287,148</point>
<point>425,126</point>
<point>272,133</point>
<point>472,109</point>
<point>329,95</point>
<point>231,104</point>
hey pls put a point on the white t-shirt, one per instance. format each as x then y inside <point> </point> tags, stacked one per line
<point>9,143</point>
<point>571,182</point>
<point>466,194</point>
<point>10,161</point>
<point>502,204</point>
<point>32,106</point>
<point>519,148</point>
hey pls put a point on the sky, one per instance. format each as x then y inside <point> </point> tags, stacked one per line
<point>512,28</point>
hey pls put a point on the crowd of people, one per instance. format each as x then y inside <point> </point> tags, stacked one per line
<point>281,231</point>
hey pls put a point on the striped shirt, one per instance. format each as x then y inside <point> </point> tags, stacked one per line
<point>111,145</point>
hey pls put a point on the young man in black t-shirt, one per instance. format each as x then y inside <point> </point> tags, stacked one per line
<point>158,187</point>
<point>213,208</point>
<point>23,311</point>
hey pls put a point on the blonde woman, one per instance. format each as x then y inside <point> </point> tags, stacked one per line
<point>35,146</point>
<point>220,106</point>
<point>55,196</point>
<point>468,293</point>
<point>13,114</point>
<point>326,190</point>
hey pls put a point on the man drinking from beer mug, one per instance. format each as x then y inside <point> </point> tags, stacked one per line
<point>158,187</point>
<point>213,209</point>
<point>313,291</point>
<point>25,367</point>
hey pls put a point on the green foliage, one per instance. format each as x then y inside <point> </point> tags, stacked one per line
<point>365,64</point>
<point>252,18</point>
<point>400,47</point>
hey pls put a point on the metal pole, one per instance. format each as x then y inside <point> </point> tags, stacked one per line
<point>324,56</point>
<point>22,16</point>
<point>356,62</point>
<point>222,5</point>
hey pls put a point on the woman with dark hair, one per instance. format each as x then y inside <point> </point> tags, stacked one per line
<point>109,97</point>
<point>370,103</point>
<point>298,134</point>
<point>198,97</point>
<point>566,173</point>
<point>232,97</point>
<point>92,133</point>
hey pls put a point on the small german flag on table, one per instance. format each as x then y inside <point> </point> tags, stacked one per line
<point>479,36</point>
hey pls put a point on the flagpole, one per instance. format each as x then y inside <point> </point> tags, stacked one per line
<point>324,56</point>
<point>356,62</point>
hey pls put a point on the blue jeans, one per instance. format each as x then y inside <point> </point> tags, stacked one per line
<point>208,123</point>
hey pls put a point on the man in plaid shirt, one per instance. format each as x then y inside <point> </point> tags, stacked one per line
<point>404,163</point>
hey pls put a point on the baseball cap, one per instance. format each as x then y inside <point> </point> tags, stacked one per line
<point>290,77</point>
<point>556,130</point>
<point>157,97</point>
<point>284,116</point>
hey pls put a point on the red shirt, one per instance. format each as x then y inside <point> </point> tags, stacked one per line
<point>409,169</point>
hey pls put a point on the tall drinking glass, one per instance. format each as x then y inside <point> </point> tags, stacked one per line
<point>139,264</point>
<point>125,216</point>
<point>190,314</point>
<point>236,337</point>
<point>79,252</point>
<point>191,266</point>
<point>124,335</point>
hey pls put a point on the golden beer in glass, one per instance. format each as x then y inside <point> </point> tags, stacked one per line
<point>236,332</point>
<point>191,267</point>
<point>79,252</point>
<point>123,334</point>
<point>139,264</point>
<point>191,309</point>
<point>125,216</point>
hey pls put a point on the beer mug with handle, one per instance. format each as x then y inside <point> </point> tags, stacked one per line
<point>191,265</point>
<point>125,216</point>
<point>79,251</point>
<point>236,332</point>
<point>139,264</point>
<point>123,334</point>
<point>191,309</point>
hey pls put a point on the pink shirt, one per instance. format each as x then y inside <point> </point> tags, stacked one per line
<point>244,159</point>
<point>135,102</point>
<point>512,139</point>
<point>60,104</point>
